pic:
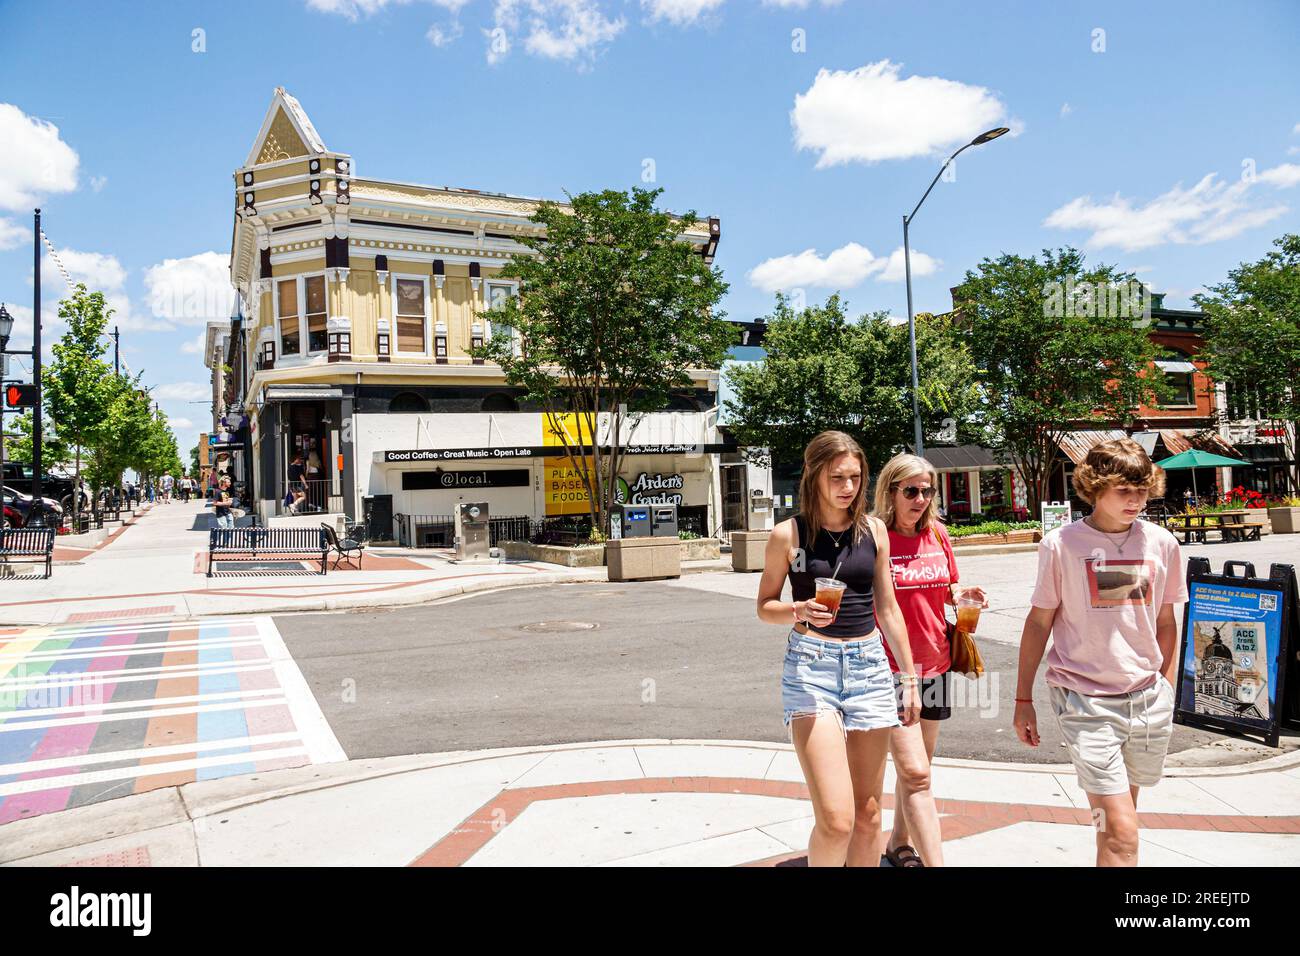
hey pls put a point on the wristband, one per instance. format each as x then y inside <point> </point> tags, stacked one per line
<point>1024,700</point>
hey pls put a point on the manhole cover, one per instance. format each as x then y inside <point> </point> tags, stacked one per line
<point>552,626</point>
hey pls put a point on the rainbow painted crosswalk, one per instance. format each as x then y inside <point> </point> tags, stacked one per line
<point>92,712</point>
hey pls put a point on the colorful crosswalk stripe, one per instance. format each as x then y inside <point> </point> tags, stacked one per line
<point>89,712</point>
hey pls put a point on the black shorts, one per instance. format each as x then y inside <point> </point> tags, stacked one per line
<point>936,696</point>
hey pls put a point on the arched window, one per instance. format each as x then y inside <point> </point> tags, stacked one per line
<point>499,402</point>
<point>680,403</point>
<point>408,402</point>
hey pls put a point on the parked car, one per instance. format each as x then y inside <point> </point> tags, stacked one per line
<point>18,509</point>
<point>18,475</point>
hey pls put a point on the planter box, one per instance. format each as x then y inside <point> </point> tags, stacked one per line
<point>701,549</point>
<point>1284,520</point>
<point>591,556</point>
<point>748,549</point>
<point>1026,536</point>
<point>640,559</point>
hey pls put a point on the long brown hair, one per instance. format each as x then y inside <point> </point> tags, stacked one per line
<point>817,457</point>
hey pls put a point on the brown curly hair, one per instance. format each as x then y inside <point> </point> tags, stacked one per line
<point>1121,461</point>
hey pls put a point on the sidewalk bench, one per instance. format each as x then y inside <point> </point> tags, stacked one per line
<point>28,543</point>
<point>258,541</point>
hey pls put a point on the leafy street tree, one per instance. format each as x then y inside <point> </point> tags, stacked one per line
<point>613,310</point>
<point>823,370</point>
<point>78,384</point>
<point>18,447</point>
<point>1058,346</point>
<point>1252,335</point>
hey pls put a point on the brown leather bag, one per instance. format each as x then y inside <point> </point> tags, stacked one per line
<point>963,652</point>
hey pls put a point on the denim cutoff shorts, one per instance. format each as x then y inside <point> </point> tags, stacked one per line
<point>847,678</point>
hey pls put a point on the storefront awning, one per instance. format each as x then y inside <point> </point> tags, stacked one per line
<point>960,458</point>
<point>1173,367</point>
<point>302,393</point>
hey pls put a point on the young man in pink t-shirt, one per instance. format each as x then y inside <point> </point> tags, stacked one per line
<point>1106,593</point>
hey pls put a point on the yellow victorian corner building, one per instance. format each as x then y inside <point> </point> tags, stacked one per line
<point>359,299</point>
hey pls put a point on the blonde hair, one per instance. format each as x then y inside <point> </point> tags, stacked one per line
<point>821,451</point>
<point>1121,461</point>
<point>897,470</point>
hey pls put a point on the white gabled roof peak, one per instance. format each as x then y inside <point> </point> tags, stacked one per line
<point>283,102</point>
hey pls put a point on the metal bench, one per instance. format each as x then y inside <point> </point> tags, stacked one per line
<point>28,543</point>
<point>258,541</point>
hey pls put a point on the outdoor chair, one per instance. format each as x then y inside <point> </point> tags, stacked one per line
<point>345,548</point>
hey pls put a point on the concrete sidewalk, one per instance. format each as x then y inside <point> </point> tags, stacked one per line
<point>637,803</point>
<point>154,569</point>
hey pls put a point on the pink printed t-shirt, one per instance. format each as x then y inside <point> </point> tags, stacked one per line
<point>922,568</point>
<point>1104,634</point>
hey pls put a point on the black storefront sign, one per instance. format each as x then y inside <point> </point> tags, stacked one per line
<point>440,480</point>
<point>542,451</point>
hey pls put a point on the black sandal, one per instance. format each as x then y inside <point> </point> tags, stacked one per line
<point>903,856</point>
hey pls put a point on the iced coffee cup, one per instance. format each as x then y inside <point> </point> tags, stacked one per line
<point>829,594</point>
<point>968,614</point>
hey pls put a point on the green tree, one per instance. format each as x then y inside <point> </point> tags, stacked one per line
<point>18,442</point>
<point>1252,334</point>
<point>823,370</point>
<point>1057,349</point>
<point>122,435</point>
<point>613,311</point>
<point>78,384</point>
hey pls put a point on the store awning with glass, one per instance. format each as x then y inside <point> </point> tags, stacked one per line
<point>302,393</point>
<point>1171,367</point>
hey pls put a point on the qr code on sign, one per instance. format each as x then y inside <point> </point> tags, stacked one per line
<point>1268,602</point>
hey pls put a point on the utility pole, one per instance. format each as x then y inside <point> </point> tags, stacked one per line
<point>117,342</point>
<point>37,503</point>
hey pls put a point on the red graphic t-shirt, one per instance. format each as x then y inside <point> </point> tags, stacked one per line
<point>923,567</point>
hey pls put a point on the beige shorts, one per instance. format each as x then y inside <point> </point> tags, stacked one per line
<point>1116,742</point>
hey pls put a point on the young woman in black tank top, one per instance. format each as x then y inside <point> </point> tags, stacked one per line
<point>837,690</point>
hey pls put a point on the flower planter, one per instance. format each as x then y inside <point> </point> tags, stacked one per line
<point>1026,536</point>
<point>1284,520</point>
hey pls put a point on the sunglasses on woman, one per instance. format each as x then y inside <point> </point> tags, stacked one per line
<point>911,491</point>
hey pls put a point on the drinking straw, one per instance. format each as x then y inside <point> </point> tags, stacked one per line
<point>836,573</point>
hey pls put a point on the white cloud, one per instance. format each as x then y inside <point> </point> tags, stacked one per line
<point>37,161</point>
<point>1295,130</point>
<point>98,182</point>
<point>843,268</point>
<point>895,269</point>
<point>680,12</point>
<point>1209,211</point>
<point>355,9</point>
<point>100,272</point>
<point>570,30</point>
<point>192,290</point>
<point>179,423</point>
<point>1066,110</point>
<point>1283,177</point>
<point>444,36</point>
<point>183,391</point>
<point>872,114</point>
<point>12,235</point>
<point>195,346</point>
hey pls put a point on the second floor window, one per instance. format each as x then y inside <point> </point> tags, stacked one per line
<point>410,318</point>
<point>498,293</point>
<point>290,337</point>
<point>302,313</point>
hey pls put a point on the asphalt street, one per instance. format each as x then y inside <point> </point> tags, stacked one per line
<point>580,662</point>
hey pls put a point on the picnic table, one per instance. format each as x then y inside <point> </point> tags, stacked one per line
<point>1231,526</point>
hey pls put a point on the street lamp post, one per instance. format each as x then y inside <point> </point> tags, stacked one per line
<point>979,140</point>
<point>6,329</point>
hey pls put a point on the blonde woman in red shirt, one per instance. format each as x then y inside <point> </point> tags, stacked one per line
<point>924,574</point>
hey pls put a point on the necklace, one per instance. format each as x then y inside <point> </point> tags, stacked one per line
<point>1119,546</point>
<point>838,540</point>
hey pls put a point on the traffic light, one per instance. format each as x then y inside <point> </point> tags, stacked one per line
<point>21,396</point>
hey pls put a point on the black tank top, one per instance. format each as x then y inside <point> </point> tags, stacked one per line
<point>857,616</point>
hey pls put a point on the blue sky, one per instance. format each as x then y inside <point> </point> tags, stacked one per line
<point>1168,143</point>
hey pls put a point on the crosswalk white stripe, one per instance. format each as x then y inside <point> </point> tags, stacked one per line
<point>18,716</point>
<point>134,650</point>
<point>62,631</point>
<point>124,773</point>
<point>58,763</point>
<point>128,674</point>
<point>322,744</point>
<point>10,726</point>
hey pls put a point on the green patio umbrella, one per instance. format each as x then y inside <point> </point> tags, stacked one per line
<point>1194,458</point>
